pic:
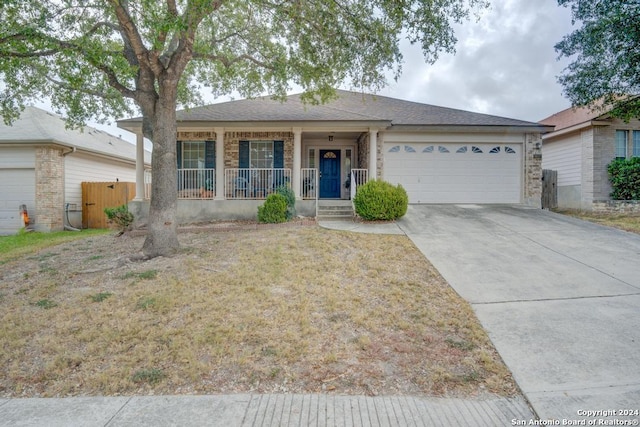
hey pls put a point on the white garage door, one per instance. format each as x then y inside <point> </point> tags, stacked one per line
<point>17,187</point>
<point>455,173</point>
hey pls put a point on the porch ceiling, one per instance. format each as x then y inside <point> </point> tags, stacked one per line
<point>326,134</point>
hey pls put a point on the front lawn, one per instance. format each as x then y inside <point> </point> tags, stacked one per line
<point>627,222</point>
<point>26,242</point>
<point>293,309</point>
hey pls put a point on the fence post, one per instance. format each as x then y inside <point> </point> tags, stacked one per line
<point>549,189</point>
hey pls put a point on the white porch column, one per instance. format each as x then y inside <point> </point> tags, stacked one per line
<point>219,164</point>
<point>373,153</point>
<point>139,167</point>
<point>297,161</point>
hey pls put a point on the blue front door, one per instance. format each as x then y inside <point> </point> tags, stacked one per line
<point>329,174</point>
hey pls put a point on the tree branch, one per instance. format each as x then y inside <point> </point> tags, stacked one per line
<point>81,90</point>
<point>130,33</point>
<point>227,62</point>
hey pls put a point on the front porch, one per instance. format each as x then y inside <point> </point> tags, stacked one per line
<point>227,174</point>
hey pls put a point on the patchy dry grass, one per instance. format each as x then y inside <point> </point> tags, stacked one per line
<point>627,222</point>
<point>298,310</point>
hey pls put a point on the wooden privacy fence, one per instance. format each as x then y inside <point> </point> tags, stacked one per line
<point>549,189</point>
<point>99,195</point>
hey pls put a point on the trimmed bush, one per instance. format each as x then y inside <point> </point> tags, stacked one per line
<point>624,175</point>
<point>274,209</point>
<point>379,200</point>
<point>288,194</point>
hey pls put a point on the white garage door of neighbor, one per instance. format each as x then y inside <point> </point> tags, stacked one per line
<point>455,173</point>
<point>17,187</point>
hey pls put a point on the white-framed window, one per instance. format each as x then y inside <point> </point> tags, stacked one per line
<point>621,144</point>
<point>261,154</point>
<point>636,143</point>
<point>193,154</point>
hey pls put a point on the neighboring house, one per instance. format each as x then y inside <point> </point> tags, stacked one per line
<point>231,155</point>
<point>42,165</point>
<point>583,143</point>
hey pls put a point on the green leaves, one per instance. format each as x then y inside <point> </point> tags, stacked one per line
<point>624,175</point>
<point>605,54</point>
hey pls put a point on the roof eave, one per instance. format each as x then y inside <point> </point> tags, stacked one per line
<point>575,128</point>
<point>71,147</point>
<point>474,128</point>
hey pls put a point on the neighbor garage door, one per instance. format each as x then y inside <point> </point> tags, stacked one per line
<point>456,173</point>
<point>17,187</point>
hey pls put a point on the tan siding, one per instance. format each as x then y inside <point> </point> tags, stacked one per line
<point>17,157</point>
<point>84,168</point>
<point>564,156</point>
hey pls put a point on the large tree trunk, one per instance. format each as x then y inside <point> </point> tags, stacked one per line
<point>162,239</point>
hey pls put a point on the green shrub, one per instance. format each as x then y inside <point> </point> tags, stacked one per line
<point>288,194</point>
<point>379,200</point>
<point>274,209</point>
<point>120,216</point>
<point>624,175</point>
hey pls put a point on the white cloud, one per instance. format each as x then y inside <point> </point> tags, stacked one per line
<point>505,64</point>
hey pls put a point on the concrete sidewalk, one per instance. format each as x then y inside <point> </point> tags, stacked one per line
<point>262,410</point>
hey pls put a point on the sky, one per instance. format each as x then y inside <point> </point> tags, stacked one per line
<point>505,65</point>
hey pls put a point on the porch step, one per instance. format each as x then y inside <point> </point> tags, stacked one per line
<point>337,211</point>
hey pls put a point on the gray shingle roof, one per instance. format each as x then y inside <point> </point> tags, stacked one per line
<point>350,106</point>
<point>39,126</point>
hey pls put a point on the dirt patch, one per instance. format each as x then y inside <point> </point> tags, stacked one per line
<point>295,309</point>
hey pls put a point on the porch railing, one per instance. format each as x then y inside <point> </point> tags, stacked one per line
<point>358,178</point>
<point>309,183</point>
<point>243,183</point>
<point>196,183</point>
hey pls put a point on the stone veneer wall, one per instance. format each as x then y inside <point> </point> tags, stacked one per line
<point>363,153</point>
<point>616,206</point>
<point>604,151</point>
<point>232,146</point>
<point>533,170</point>
<point>49,189</point>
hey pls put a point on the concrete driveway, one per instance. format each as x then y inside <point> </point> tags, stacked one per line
<point>559,298</point>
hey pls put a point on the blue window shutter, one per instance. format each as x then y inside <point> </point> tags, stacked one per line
<point>209,154</point>
<point>244,154</point>
<point>278,154</point>
<point>179,153</point>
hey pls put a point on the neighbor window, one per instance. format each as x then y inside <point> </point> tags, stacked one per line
<point>621,144</point>
<point>193,154</point>
<point>261,154</point>
<point>636,143</point>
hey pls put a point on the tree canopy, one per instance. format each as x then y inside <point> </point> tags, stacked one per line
<point>605,53</point>
<point>109,58</point>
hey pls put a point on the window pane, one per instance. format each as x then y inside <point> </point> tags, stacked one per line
<point>261,154</point>
<point>621,144</point>
<point>193,154</point>
<point>636,143</point>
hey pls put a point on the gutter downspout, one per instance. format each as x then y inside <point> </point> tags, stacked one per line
<point>67,223</point>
